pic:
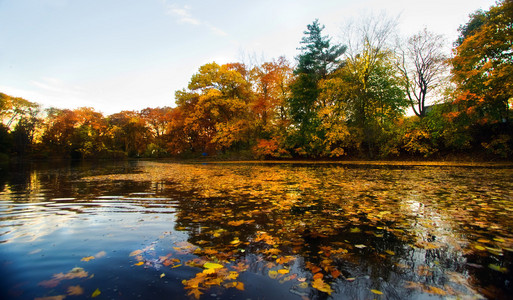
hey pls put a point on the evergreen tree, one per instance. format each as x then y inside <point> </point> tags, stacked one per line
<point>317,60</point>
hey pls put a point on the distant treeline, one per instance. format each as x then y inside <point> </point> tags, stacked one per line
<point>335,101</point>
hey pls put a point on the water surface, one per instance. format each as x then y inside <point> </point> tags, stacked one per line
<point>161,230</point>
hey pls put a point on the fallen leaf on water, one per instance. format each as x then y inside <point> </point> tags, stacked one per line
<point>390,252</point>
<point>376,292</point>
<point>210,265</point>
<point>335,273</point>
<point>136,252</point>
<point>273,274</point>
<point>162,275</point>
<point>75,290</point>
<point>360,246</point>
<point>434,290</point>
<point>195,292</point>
<point>318,275</point>
<point>480,248</point>
<point>322,286</point>
<point>59,297</point>
<point>498,268</point>
<point>232,275</point>
<point>283,271</point>
<point>209,271</point>
<point>240,286</point>
<point>87,258</point>
<point>236,223</point>
<point>139,263</point>
<point>96,293</point>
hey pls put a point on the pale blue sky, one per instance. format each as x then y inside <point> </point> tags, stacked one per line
<point>118,55</point>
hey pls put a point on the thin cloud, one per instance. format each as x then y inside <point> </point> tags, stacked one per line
<point>216,30</point>
<point>183,15</point>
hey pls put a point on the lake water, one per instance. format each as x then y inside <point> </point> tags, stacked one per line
<point>163,230</point>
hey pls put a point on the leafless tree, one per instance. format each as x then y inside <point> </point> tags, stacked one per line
<point>423,65</point>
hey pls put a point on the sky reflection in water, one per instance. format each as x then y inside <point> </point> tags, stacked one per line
<point>146,230</point>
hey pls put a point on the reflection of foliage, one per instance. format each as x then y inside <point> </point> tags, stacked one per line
<point>264,218</point>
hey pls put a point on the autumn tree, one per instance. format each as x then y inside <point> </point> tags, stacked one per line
<point>483,64</point>
<point>371,90</point>
<point>78,133</point>
<point>12,109</point>
<point>215,108</point>
<point>422,64</point>
<point>129,133</point>
<point>271,86</point>
<point>483,73</point>
<point>318,59</point>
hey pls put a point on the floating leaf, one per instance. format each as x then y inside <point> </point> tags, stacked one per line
<point>210,265</point>
<point>390,252</point>
<point>322,286</point>
<point>335,273</point>
<point>498,268</point>
<point>162,275</point>
<point>434,290</point>
<point>360,246</point>
<point>480,248</point>
<point>273,274</point>
<point>87,258</point>
<point>75,290</point>
<point>236,223</point>
<point>139,263</point>
<point>136,252</point>
<point>283,271</point>
<point>240,286</point>
<point>96,293</point>
<point>59,297</point>
<point>195,292</point>
<point>376,292</point>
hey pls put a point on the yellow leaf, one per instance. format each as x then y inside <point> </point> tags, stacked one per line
<point>480,248</point>
<point>322,286</point>
<point>390,252</point>
<point>210,265</point>
<point>96,293</point>
<point>376,292</point>
<point>136,252</point>
<point>87,258</point>
<point>139,263</point>
<point>498,268</point>
<point>283,271</point>
<point>232,275</point>
<point>209,271</point>
<point>240,286</point>
<point>273,274</point>
<point>162,275</point>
